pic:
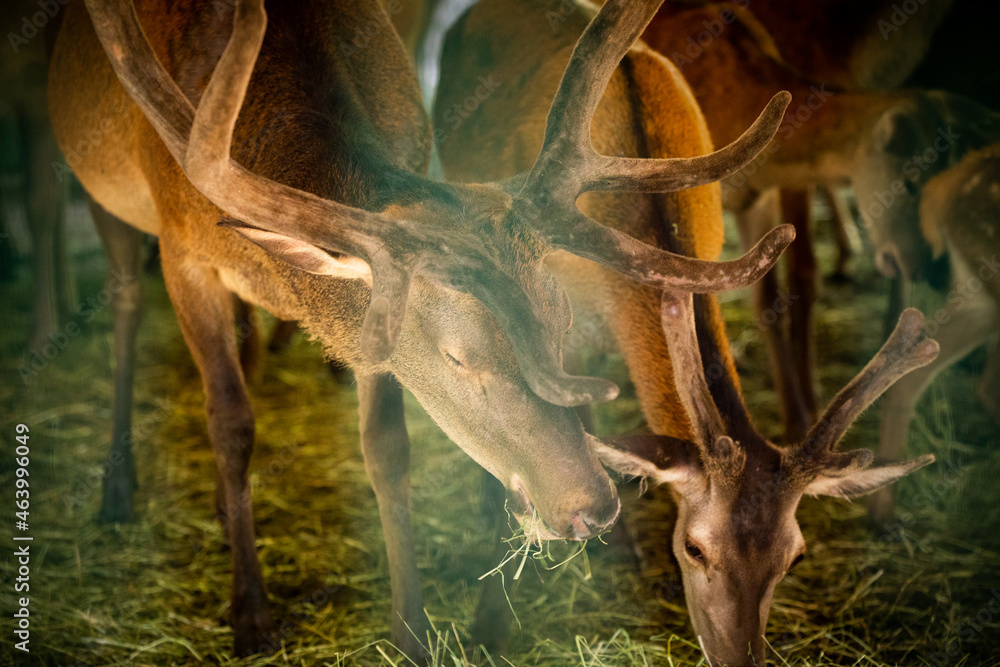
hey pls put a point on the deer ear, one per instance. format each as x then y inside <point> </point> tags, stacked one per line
<point>862,482</point>
<point>663,459</point>
<point>898,133</point>
<point>303,255</point>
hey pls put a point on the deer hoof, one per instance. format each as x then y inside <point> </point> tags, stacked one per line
<point>116,500</point>
<point>254,636</point>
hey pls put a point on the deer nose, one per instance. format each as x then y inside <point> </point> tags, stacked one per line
<point>587,525</point>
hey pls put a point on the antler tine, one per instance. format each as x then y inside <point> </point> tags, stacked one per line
<point>153,90</point>
<point>658,268</point>
<point>200,142</point>
<point>907,349</point>
<point>597,53</point>
<point>677,318</point>
<point>568,164</point>
<point>622,174</point>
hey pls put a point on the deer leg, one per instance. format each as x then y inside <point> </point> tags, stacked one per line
<point>205,311</point>
<point>959,334</point>
<point>123,245</point>
<point>802,283</point>
<point>340,372</point>
<point>772,313</point>
<point>249,337</point>
<point>66,295</point>
<point>386,449</point>
<point>491,627</point>
<point>46,209</point>
<point>44,212</point>
<point>898,288</point>
<point>989,386</point>
<point>843,218</point>
<point>7,255</point>
<point>281,337</point>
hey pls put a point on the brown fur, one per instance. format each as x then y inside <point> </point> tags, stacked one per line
<point>841,42</point>
<point>343,120</point>
<point>817,146</point>
<point>737,500</point>
<point>671,125</point>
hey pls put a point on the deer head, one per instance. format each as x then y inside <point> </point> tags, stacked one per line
<point>482,349</point>
<point>921,135</point>
<point>736,535</point>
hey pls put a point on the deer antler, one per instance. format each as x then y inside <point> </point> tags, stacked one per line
<point>907,349</point>
<point>396,248</point>
<point>568,165</point>
<point>719,454</point>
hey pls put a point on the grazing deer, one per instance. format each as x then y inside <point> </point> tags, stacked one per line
<point>736,535</point>
<point>817,145</point>
<point>851,44</point>
<point>931,212</point>
<point>440,286</point>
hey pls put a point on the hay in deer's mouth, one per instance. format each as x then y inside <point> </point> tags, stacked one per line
<point>532,528</point>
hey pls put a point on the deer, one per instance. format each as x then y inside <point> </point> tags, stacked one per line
<point>436,287</point>
<point>933,221</point>
<point>736,534</point>
<point>44,188</point>
<point>850,44</point>
<point>817,146</point>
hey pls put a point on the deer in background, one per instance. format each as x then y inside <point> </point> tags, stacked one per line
<point>22,75</point>
<point>817,145</point>
<point>436,287</point>
<point>736,536</point>
<point>935,220</point>
<point>850,44</point>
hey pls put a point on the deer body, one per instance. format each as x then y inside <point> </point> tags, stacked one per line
<point>726,478</point>
<point>823,142</point>
<point>676,129</point>
<point>309,203</point>
<point>851,44</point>
<point>960,217</point>
<point>135,178</point>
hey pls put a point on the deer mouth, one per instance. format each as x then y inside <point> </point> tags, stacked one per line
<point>521,507</point>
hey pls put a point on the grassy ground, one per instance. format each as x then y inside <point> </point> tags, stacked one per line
<point>155,593</point>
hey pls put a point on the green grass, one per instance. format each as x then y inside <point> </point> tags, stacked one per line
<point>156,592</point>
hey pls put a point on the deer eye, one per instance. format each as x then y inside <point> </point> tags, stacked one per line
<point>452,361</point>
<point>798,559</point>
<point>695,552</point>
